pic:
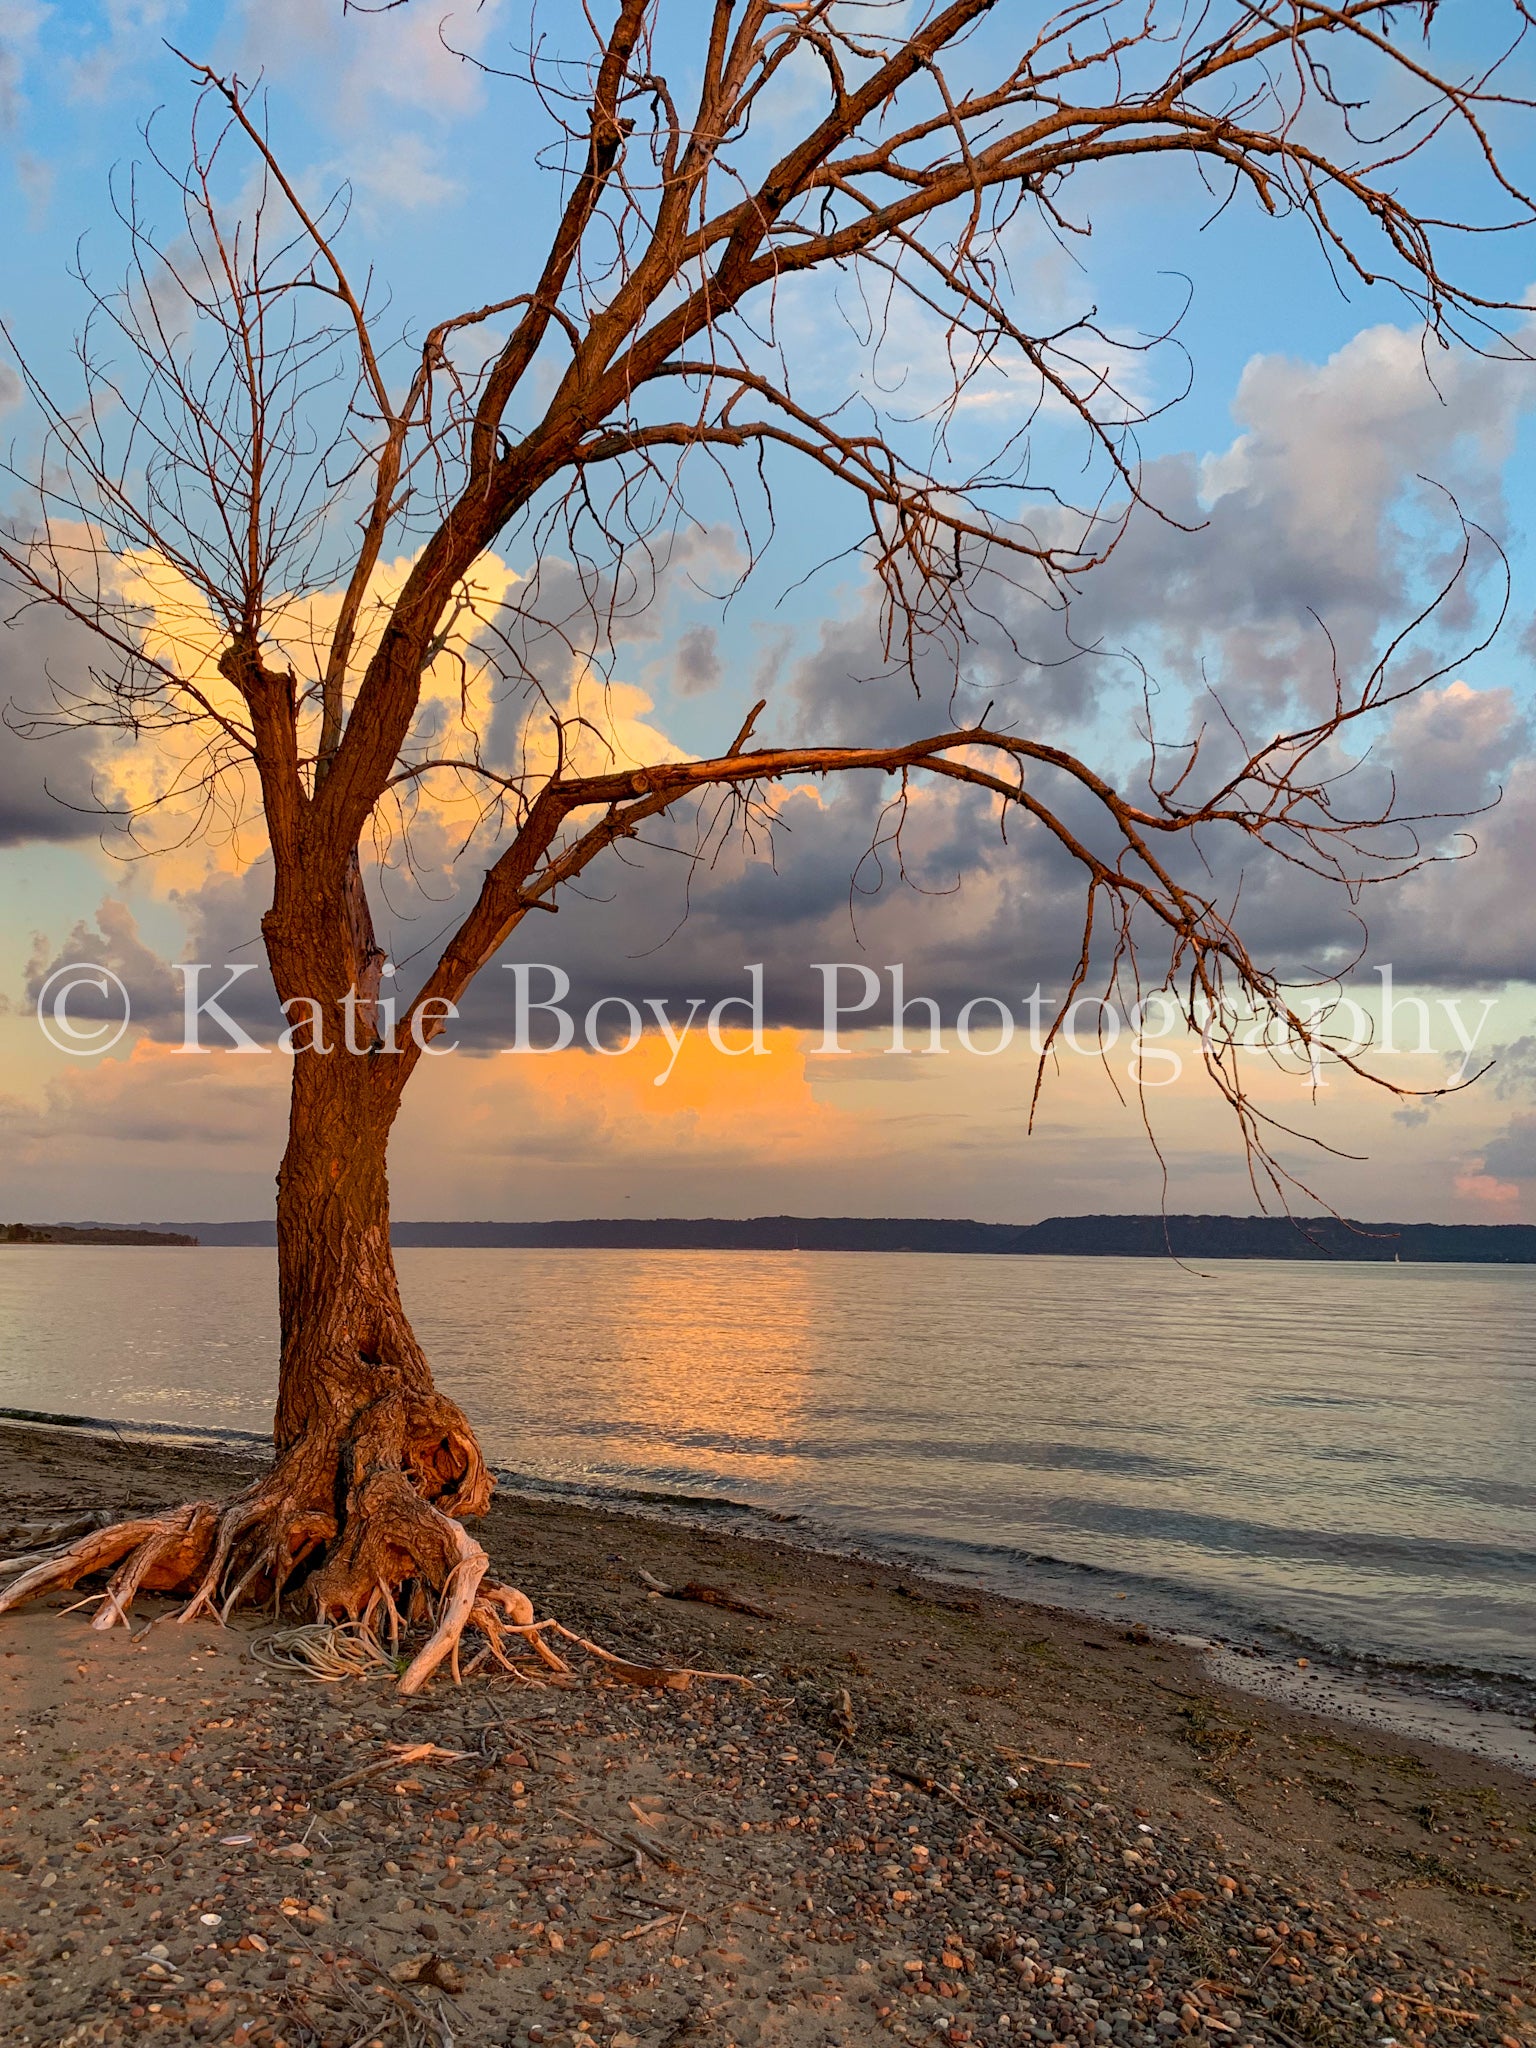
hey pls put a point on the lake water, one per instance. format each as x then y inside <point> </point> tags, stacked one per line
<point>1336,1456</point>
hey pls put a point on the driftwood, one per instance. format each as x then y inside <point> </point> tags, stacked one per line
<point>707,1596</point>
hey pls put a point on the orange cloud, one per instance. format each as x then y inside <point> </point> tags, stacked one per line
<point>575,1105</point>
<point>480,1136</point>
<point>1485,1189</point>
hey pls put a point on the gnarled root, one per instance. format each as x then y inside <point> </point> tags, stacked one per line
<point>184,1549</point>
<point>391,1535</point>
<point>97,1551</point>
<point>393,1556</point>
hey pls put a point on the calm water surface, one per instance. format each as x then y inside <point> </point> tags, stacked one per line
<point>1345,1454</point>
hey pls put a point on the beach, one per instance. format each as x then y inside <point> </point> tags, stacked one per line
<point>933,1813</point>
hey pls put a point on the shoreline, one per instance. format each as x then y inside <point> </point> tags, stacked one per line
<point>1397,1699</point>
<point>934,1810</point>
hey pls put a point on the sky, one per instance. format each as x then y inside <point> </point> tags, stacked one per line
<point>1304,456</point>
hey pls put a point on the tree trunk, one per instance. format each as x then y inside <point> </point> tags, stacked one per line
<point>372,1461</point>
<point>346,1341</point>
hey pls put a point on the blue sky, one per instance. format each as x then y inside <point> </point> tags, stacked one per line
<point>1303,434</point>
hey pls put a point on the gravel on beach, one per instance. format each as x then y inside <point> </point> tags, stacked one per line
<point>931,1817</point>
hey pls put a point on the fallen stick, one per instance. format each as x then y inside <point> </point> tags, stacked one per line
<point>628,1842</point>
<point>653,1849</point>
<point>1450,2012</point>
<point>677,1677</point>
<point>400,1996</point>
<point>937,1791</point>
<point>602,1834</point>
<point>707,1596</point>
<point>36,1536</point>
<point>407,1753</point>
<point>10,1566</point>
<point>655,1926</point>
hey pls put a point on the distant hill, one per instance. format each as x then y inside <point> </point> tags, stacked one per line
<point>87,1233</point>
<point>1136,1237</point>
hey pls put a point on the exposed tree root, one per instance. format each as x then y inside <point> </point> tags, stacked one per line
<point>392,1560</point>
<point>155,1551</point>
<point>329,1652</point>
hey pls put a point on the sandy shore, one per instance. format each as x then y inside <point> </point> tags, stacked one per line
<point>932,1815</point>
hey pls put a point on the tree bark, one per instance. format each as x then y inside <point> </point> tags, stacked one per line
<point>364,1440</point>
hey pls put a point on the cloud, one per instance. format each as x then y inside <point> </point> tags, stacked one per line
<point>223,936</point>
<point>391,86</point>
<point>1472,920</point>
<point>1449,748</point>
<point>131,27</point>
<point>1313,512</point>
<point>159,1099</point>
<point>20,23</point>
<point>680,917</point>
<point>153,1133</point>
<point>365,69</point>
<point>157,1133</point>
<point>681,913</point>
<point>481,1136</point>
<point>1486,1192</point>
<point>405,56</point>
<point>1511,1156</point>
<point>697,666</point>
<point>401,171</point>
<point>1310,498</point>
<point>113,942</point>
<point>54,785</point>
<point>1314,507</point>
<point>1515,1067</point>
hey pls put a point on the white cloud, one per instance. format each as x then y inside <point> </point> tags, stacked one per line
<point>399,171</point>
<point>20,24</point>
<point>406,57</point>
<point>133,30</point>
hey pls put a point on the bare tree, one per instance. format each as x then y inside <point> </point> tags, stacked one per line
<point>250,439</point>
